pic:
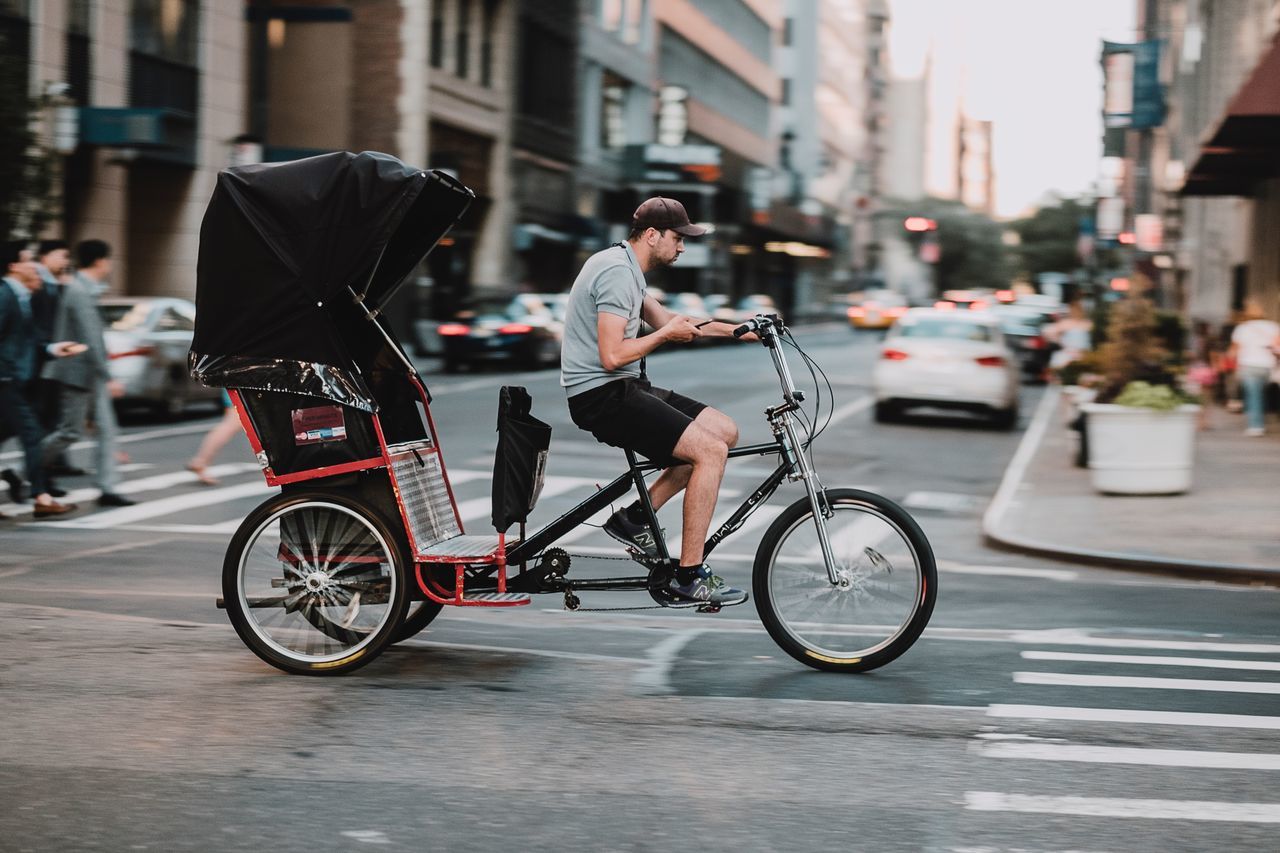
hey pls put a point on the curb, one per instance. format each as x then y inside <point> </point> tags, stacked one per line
<point>1012,480</point>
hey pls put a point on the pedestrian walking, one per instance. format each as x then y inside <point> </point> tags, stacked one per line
<point>21,345</point>
<point>53,263</point>
<point>1072,335</point>
<point>213,441</point>
<point>1254,345</point>
<point>83,382</point>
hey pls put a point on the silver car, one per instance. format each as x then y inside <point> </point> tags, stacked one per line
<point>147,340</point>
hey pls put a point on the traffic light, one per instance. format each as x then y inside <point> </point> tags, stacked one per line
<point>922,236</point>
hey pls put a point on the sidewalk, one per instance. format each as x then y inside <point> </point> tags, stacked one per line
<point>1227,525</point>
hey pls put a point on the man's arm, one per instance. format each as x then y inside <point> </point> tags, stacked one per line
<point>617,350</point>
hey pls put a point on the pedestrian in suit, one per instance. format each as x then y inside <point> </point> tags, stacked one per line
<point>53,262</point>
<point>21,344</point>
<point>83,381</point>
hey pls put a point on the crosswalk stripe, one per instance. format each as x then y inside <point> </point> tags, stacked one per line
<point>1155,660</point>
<point>993,801</point>
<point>1063,679</point>
<point>1137,717</point>
<point>1131,755</point>
<point>168,506</point>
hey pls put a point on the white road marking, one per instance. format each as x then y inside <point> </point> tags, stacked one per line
<point>1128,755</point>
<point>992,801</point>
<point>1063,679</point>
<point>130,438</point>
<point>1152,660</point>
<point>168,506</point>
<point>1012,479</point>
<point>851,408</point>
<point>941,501</point>
<point>1141,718</point>
<point>367,836</point>
<point>656,677</point>
<point>474,509</point>
<point>1062,575</point>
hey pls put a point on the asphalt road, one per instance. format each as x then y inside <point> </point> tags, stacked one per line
<point>1048,707</point>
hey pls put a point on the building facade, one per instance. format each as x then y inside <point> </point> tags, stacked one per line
<point>159,88</point>
<point>1207,173</point>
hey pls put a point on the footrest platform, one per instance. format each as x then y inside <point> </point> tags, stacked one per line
<point>494,599</point>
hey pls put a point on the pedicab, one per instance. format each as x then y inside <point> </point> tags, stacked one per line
<point>363,545</point>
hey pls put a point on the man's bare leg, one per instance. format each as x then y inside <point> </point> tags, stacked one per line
<point>671,481</point>
<point>707,454</point>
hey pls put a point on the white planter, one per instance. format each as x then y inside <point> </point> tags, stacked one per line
<point>1135,451</point>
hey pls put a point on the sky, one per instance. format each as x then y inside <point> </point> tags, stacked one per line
<point>1031,67</point>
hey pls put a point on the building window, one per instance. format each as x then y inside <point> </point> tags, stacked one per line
<point>786,91</point>
<point>634,19</point>
<point>613,112</point>
<point>436,36</point>
<point>486,41</point>
<point>166,29</point>
<point>788,31</point>
<point>611,15</point>
<point>16,8</point>
<point>462,44</point>
<point>78,58</point>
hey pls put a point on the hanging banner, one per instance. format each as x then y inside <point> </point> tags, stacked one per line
<point>1133,95</point>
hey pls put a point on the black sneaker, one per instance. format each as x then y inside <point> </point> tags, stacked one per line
<point>626,531</point>
<point>698,587</point>
<point>115,499</point>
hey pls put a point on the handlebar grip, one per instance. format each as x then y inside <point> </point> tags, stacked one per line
<point>742,330</point>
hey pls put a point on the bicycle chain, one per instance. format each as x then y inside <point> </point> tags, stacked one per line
<point>608,609</point>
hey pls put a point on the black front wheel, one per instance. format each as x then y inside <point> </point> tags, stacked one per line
<point>886,582</point>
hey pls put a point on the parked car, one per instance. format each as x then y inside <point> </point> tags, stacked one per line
<point>1024,332</point>
<point>147,339</point>
<point>876,309</point>
<point>949,359</point>
<point>718,307</point>
<point>521,330</point>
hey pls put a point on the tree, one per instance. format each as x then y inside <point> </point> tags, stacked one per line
<point>972,254</point>
<point>1049,238</point>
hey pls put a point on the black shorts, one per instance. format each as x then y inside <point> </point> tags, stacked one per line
<point>633,414</point>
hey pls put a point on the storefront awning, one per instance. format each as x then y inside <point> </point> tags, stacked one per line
<point>1245,148</point>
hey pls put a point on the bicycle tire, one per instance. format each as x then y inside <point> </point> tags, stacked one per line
<point>789,575</point>
<point>293,540</point>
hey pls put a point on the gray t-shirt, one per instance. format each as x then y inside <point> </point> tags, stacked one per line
<point>610,281</point>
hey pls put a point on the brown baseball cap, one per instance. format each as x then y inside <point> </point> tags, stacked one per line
<point>661,213</point>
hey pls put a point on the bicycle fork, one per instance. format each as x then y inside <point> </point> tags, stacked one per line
<point>817,498</point>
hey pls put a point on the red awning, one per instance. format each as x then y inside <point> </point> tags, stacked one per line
<point>1245,147</point>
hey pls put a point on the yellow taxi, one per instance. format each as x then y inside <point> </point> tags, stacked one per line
<point>876,309</point>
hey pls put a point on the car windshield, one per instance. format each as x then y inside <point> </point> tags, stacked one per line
<point>124,316</point>
<point>944,328</point>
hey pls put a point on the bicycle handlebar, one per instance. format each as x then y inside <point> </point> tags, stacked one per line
<point>761,323</point>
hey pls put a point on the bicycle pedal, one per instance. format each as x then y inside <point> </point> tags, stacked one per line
<point>709,608</point>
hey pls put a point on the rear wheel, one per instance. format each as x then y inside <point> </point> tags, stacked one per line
<point>314,584</point>
<point>417,616</point>
<point>887,583</point>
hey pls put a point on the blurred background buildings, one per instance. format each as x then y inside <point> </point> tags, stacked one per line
<point>777,122</point>
<point>767,118</point>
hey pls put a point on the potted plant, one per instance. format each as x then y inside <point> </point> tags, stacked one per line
<point>1140,427</point>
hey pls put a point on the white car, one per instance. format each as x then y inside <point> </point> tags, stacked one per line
<point>147,340</point>
<point>947,359</point>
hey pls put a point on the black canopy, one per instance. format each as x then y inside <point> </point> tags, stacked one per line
<point>283,248</point>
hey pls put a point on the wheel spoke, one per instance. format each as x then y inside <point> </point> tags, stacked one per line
<point>339,574</point>
<point>878,569</point>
